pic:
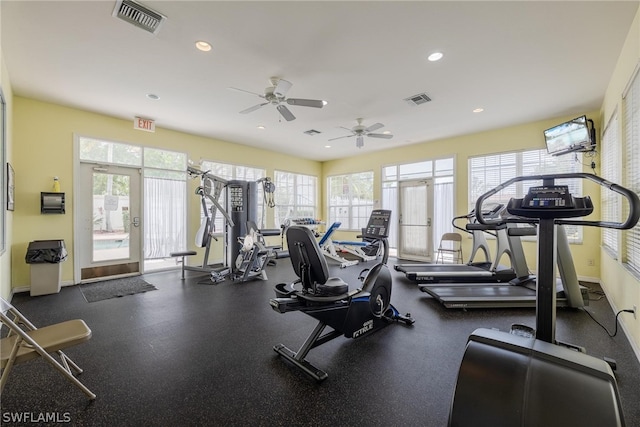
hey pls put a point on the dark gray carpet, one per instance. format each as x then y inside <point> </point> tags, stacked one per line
<point>115,288</point>
<point>202,355</point>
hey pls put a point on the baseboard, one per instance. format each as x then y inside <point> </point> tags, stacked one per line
<point>590,279</point>
<point>634,345</point>
<point>27,288</point>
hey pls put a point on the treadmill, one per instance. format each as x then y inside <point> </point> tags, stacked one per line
<point>507,242</point>
<point>519,292</point>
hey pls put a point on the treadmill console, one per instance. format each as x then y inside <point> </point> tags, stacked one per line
<point>550,201</point>
<point>378,226</point>
<point>549,197</point>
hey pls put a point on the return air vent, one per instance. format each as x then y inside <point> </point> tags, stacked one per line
<point>418,99</point>
<point>312,132</point>
<point>138,15</point>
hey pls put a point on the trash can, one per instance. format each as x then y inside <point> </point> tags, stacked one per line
<point>44,258</point>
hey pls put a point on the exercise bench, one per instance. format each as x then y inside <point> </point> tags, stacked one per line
<point>182,255</point>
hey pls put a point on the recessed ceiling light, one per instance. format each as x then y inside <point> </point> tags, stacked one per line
<point>153,96</point>
<point>478,110</point>
<point>261,127</point>
<point>203,46</point>
<point>327,146</point>
<point>435,56</point>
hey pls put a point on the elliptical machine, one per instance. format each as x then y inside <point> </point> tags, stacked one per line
<point>353,314</point>
<point>523,378</point>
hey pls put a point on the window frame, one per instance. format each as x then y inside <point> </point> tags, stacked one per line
<point>357,213</point>
<point>296,209</point>
<point>218,221</point>
<point>631,176</point>
<point>610,150</point>
<point>519,163</point>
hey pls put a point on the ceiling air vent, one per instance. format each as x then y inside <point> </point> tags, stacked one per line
<point>138,15</point>
<point>312,132</point>
<point>418,99</point>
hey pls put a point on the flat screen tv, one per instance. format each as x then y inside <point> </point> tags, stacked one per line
<point>568,137</point>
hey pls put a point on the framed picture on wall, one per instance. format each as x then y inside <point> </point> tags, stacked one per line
<point>10,187</point>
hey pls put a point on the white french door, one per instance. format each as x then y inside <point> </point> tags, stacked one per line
<point>108,215</point>
<point>415,200</point>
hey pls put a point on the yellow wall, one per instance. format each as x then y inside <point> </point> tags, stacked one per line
<point>43,149</point>
<point>5,258</point>
<point>621,286</point>
<point>527,136</point>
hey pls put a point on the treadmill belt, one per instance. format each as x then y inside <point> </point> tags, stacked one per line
<point>481,295</point>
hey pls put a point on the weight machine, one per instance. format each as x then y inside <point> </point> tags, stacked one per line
<point>244,257</point>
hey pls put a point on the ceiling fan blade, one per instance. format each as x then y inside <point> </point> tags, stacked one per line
<point>380,135</point>
<point>285,112</point>
<point>340,137</point>
<point>282,88</point>
<point>254,108</point>
<point>246,91</point>
<point>373,127</point>
<point>316,103</point>
<point>360,141</point>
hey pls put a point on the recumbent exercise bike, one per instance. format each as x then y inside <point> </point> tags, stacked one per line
<point>353,313</point>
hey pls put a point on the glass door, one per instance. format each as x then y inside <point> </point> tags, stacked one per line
<point>414,221</point>
<point>109,216</point>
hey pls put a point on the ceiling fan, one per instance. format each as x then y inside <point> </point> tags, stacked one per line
<point>360,131</point>
<point>276,95</point>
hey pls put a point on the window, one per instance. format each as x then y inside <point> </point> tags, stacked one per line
<point>295,196</point>
<point>94,150</point>
<point>610,150</point>
<point>165,203</point>
<point>441,170</point>
<point>164,193</point>
<point>350,200</point>
<point>487,172</point>
<point>3,168</point>
<point>234,172</point>
<point>631,111</point>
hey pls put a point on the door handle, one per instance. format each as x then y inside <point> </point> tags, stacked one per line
<point>136,221</point>
<point>428,222</point>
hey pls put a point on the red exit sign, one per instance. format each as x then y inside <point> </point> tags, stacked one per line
<point>147,125</point>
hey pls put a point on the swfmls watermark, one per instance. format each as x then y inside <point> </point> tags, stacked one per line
<point>36,417</point>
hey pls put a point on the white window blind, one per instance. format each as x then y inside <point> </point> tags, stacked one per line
<point>487,172</point>
<point>631,108</point>
<point>610,170</point>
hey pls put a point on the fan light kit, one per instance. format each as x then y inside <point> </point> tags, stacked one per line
<point>276,95</point>
<point>360,131</point>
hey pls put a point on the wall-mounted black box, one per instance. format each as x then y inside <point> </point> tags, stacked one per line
<point>52,203</point>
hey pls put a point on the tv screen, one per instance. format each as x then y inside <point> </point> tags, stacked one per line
<point>570,136</point>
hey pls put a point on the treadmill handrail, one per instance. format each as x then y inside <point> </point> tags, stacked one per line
<point>493,215</point>
<point>632,198</point>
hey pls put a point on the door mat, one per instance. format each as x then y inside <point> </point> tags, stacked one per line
<point>115,288</point>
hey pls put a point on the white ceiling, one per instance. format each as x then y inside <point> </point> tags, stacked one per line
<point>520,61</point>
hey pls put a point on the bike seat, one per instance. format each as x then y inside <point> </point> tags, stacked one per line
<point>332,287</point>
